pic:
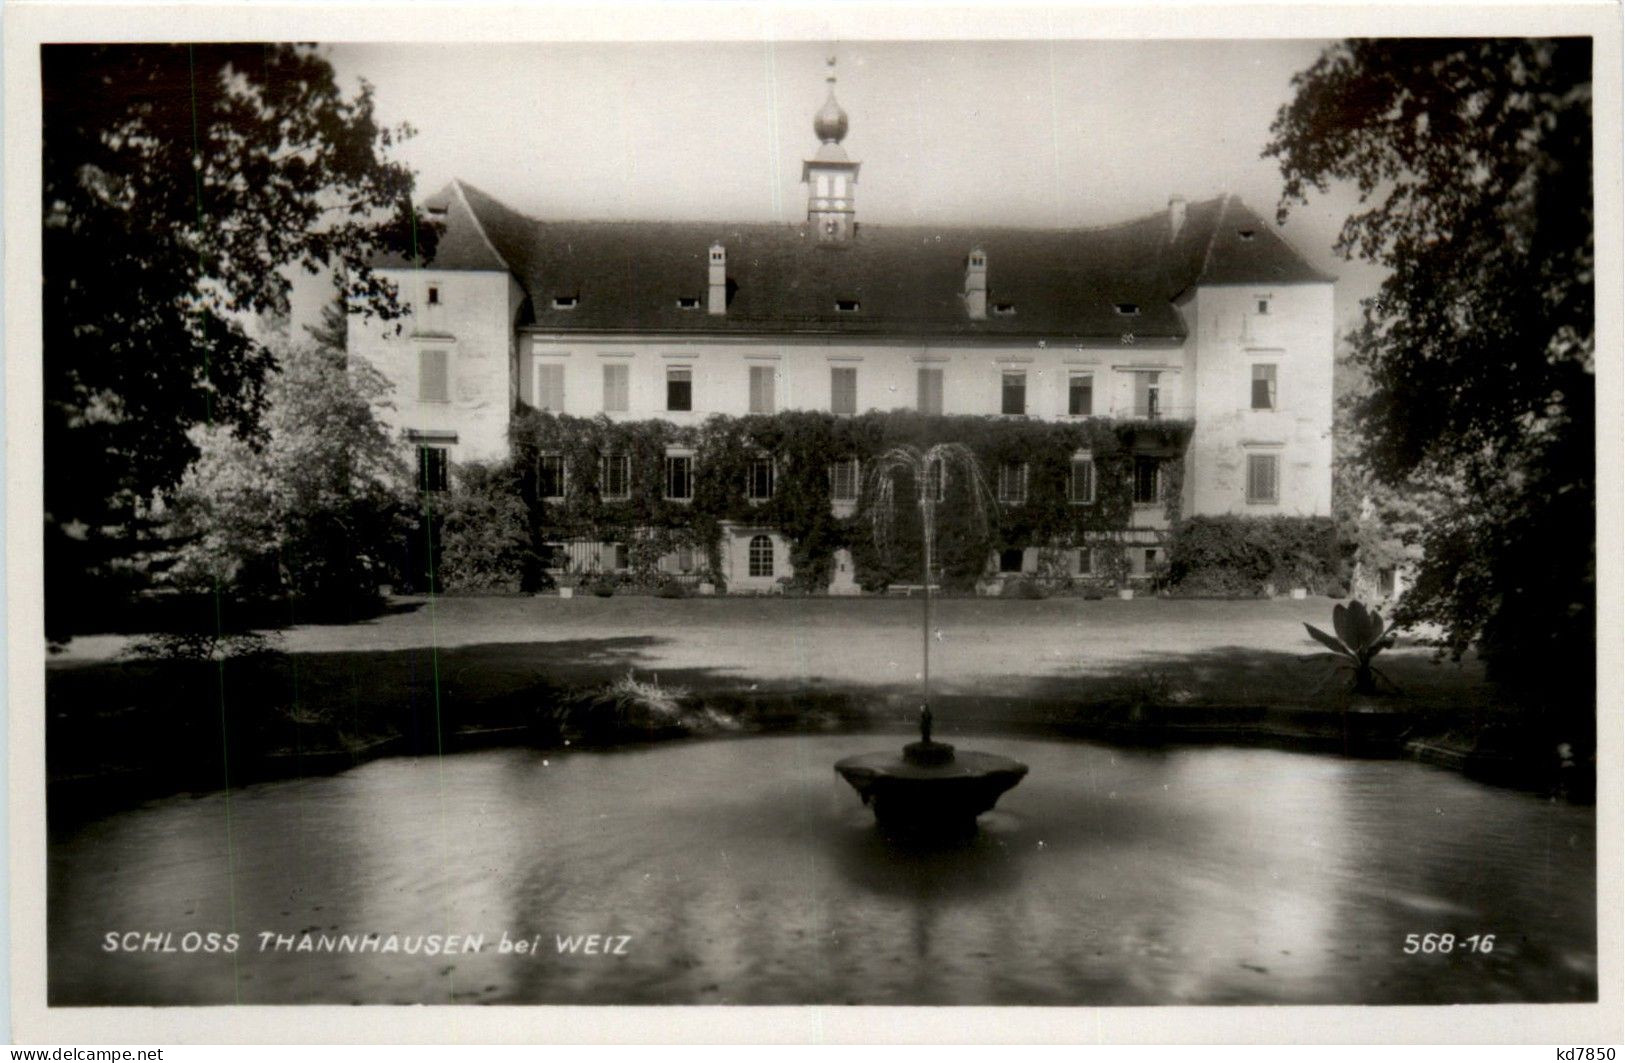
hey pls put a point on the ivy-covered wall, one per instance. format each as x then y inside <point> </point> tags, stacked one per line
<point>803,446</point>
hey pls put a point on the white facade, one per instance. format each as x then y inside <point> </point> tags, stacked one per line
<point>1202,313</point>
<point>461,320</point>
<point>491,367</point>
<point>1237,331</point>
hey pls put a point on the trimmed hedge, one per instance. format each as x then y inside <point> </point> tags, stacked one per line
<point>1238,556</point>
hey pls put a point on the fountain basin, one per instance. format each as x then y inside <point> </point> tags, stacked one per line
<point>929,790</point>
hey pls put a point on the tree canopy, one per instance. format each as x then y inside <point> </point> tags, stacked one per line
<point>1473,163</point>
<point>317,513</point>
<point>178,184</point>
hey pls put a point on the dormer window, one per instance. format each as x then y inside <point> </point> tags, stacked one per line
<point>1129,309</point>
<point>565,302</point>
<point>688,302</point>
<point>1245,234</point>
<point>1004,309</point>
<point>847,306</point>
<point>978,261</point>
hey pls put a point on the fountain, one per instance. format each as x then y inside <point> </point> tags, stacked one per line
<point>929,790</point>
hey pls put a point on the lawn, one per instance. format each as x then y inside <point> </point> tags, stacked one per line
<point>1004,654</point>
<point>453,673</point>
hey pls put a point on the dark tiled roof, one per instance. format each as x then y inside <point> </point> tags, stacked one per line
<point>905,279</point>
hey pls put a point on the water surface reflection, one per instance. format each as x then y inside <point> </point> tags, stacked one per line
<point>745,872</point>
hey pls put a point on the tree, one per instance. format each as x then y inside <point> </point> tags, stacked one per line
<point>179,182</point>
<point>1473,163</point>
<point>316,512</point>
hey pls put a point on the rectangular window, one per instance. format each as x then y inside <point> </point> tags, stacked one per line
<point>685,559</point>
<point>1147,480</point>
<point>1015,393</point>
<point>929,391</point>
<point>1086,561</point>
<point>1147,395</point>
<point>1080,394</point>
<point>679,389</point>
<point>620,557</point>
<point>617,387</point>
<point>1013,481</point>
<point>843,390</point>
<point>843,477</point>
<point>550,387</point>
<point>680,477</point>
<point>1263,386</point>
<point>550,476</point>
<point>759,480</point>
<point>431,468</point>
<point>761,388</point>
<point>1262,482</point>
<point>434,295</point>
<point>615,479</point>
<point>1081,488</point>
<point>434,383</point>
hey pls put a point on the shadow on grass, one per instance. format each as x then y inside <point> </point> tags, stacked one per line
<point>160,613</point>
<point>125,729</point>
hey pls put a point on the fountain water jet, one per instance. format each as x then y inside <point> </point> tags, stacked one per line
<point>929,790</point>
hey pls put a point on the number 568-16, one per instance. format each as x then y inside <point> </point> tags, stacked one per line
<point>1446,943</point>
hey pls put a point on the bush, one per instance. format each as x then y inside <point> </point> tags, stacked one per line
<point>633,709</point>
<point>1237,556</point>
<point>485,532</point>
<point>603,588</point>
<point>1023,588</point>
<point>671,589</point>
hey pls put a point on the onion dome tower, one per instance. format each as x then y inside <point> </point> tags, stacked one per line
<point>829,175</point>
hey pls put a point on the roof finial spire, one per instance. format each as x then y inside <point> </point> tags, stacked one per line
<point>830,121</point>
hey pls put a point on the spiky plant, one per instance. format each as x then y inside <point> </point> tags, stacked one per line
<point>1360,637</point>
<point>935,472</point>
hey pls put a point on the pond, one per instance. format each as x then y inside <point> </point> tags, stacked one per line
<point>744,871</point>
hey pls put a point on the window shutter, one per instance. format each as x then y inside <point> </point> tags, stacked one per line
<point>616,388</point>
<point>550,388</point>
<point>930,391</point>
<point>843,386</point>
<point>433,376</point>
<point>761,389</point>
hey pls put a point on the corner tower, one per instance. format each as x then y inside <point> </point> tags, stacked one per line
<point>829,175</point>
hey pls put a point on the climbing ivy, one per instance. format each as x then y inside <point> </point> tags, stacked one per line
<point>803,446</point>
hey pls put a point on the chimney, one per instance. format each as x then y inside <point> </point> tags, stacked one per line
<point>976,285</point>
<point>717,300</point>
<point>1176,216</point>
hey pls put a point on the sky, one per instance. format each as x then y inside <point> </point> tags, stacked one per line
<point>1023,133</point>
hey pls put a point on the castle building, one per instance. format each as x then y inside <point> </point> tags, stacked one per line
<point>1199,313</point>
